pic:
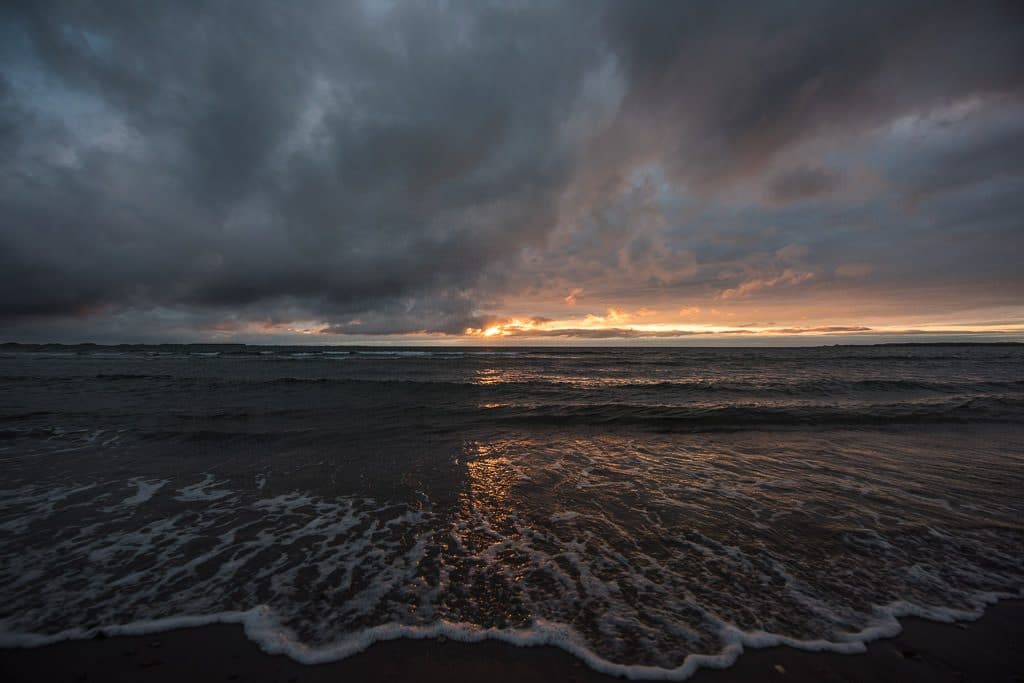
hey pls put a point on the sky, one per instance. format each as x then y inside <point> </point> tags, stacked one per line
<point>511,172</point>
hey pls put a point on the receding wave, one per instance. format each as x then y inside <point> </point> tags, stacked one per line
<point>638,556</point>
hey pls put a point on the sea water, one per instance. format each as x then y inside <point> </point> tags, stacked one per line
<point>648,510</point>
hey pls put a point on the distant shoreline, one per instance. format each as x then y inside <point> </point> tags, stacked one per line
<point>999,343</point>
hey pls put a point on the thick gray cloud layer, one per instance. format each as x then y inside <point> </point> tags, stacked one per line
<point>380,168</point>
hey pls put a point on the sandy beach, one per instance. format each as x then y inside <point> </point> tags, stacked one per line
<point>984,650</point>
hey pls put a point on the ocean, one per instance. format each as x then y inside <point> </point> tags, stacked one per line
<point>648,510</point>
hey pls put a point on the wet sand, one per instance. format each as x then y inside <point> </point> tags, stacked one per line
<point>985,650</point>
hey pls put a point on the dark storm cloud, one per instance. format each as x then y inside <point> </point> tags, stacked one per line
<point>348,155</point>
<point>379,168</point>
<point>802,183</point>
<point>753,77</point>
<point>966,157</point>
<point>450,313</point>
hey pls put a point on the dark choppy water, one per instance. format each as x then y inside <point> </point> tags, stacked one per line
<point>648,510</point>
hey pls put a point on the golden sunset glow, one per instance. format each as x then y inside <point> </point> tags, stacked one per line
<point>690,322</point>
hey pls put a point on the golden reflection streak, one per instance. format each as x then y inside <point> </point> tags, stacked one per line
<point>491,376</point>
<point>490,476</point>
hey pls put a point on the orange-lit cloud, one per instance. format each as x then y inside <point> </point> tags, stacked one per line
<point>787,277</point>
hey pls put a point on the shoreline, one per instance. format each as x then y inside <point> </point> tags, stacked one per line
<point>924,650</point>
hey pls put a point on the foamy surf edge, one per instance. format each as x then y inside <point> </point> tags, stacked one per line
<point>261,627</point>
